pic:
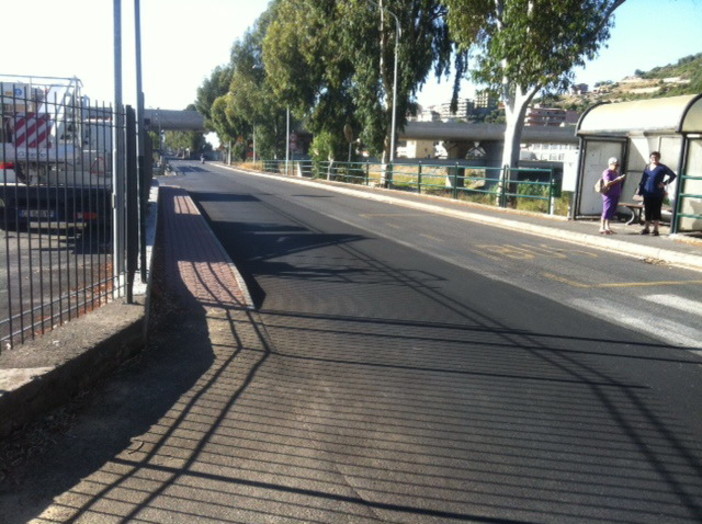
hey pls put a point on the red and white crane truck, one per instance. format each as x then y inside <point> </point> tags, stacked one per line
<point>55,153</point>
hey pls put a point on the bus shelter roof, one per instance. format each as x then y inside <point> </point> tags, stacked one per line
<point>677,114</point>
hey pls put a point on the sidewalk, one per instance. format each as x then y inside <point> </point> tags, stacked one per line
<point>44,373</point>
<point>41,374</point>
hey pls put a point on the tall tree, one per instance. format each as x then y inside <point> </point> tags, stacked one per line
<point>211,89</point>
<point>369,30</point>
<point>307,67</point>
<point>333,61</point>
<point>524,46</point>
<point>251,96</point>
<point>237,100</point>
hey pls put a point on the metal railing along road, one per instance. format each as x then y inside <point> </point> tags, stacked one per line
<point>687,201</point>
<point>532,189</point>
<point>57,255</point>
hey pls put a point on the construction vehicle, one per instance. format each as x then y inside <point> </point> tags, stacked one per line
<point>55,154</point>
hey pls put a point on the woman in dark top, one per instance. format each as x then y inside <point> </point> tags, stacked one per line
<point>652,187</point>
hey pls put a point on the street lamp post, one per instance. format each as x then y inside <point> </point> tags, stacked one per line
<point>394,90</point>
<point>398,34</point>
<point>118,150</point>
<point>287,138</point>
<point>253,135</point>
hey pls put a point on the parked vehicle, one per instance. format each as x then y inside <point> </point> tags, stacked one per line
<point>11,174</point>
<point>55,153</point>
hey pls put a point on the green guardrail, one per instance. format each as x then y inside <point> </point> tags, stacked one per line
<point>682,199</point>
<point>529,189</point>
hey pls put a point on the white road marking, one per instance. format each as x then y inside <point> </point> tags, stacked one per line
<point>682,304</point>
<point>670,332</point>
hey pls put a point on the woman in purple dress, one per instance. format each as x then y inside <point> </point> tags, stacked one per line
<point>610,198</point>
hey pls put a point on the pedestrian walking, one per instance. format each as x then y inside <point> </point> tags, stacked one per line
<point>653,188</point>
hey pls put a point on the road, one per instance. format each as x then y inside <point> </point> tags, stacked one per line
<point>48,271</point>
<point>658,300</point>
<point>418,369</point>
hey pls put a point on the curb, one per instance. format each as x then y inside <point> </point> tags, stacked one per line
<point>48,371</point>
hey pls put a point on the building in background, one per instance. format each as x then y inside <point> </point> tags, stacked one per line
<point>550,116</point>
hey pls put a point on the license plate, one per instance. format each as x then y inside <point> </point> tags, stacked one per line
<point>36,213</point>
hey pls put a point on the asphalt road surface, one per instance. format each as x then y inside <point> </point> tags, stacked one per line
<point>417,368</point>
<point>49,271</point>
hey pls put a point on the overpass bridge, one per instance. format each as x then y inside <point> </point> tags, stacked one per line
<point>174,120</point>
<point>458,138</point>
<point>461,138</point>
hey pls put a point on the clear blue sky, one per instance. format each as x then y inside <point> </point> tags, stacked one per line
<point>183,41</point>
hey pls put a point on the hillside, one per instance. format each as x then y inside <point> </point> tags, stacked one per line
<point>684,77</point>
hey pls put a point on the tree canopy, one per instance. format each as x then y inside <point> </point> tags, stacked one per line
<point>520,47</point>
<point>331,63</point>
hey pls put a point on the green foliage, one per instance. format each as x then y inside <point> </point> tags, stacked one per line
<point>326,146</point>
<point>520,47</point>
<point>333,63</point>
<point>533,196</point>
<point>423,42</point>
<point>239,150</point>
<point>227,124</point>
<point>531,43</point>
<point>249,104</point>
<point>192,141</point>
<point>155,139</point>
<point>211,89</point>
<point>306,67</point>
<point>688,68</point>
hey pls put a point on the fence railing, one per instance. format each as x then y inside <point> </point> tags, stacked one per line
<point>687,203</point>
<point>57,255</point>
<point>529,189</point>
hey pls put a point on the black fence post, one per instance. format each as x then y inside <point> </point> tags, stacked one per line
<point>132,203</point>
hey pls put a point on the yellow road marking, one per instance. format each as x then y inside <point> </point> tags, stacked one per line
<point>573,283</point>
<point>528,251</point>
<point>377,215</point>
<point>648,284</point>
<point>437,239</point>
<point>559,252</point>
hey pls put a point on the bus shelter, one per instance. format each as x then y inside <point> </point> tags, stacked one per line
<point>630,131</point>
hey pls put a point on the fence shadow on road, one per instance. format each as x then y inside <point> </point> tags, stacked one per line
<point>337,408</point>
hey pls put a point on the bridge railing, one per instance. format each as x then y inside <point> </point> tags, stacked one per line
<point>528,189</point>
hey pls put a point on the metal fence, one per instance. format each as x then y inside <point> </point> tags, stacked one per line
<point>686,219</point>
<point>529,189</point>
<point>58,258</point>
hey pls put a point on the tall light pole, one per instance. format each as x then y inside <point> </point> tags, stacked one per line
<point>394,89</point>
<point>253,133</point>
<point>118,148</point>
<point>141,139</point>
<point>287,138</point>
<point>398,34</point>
